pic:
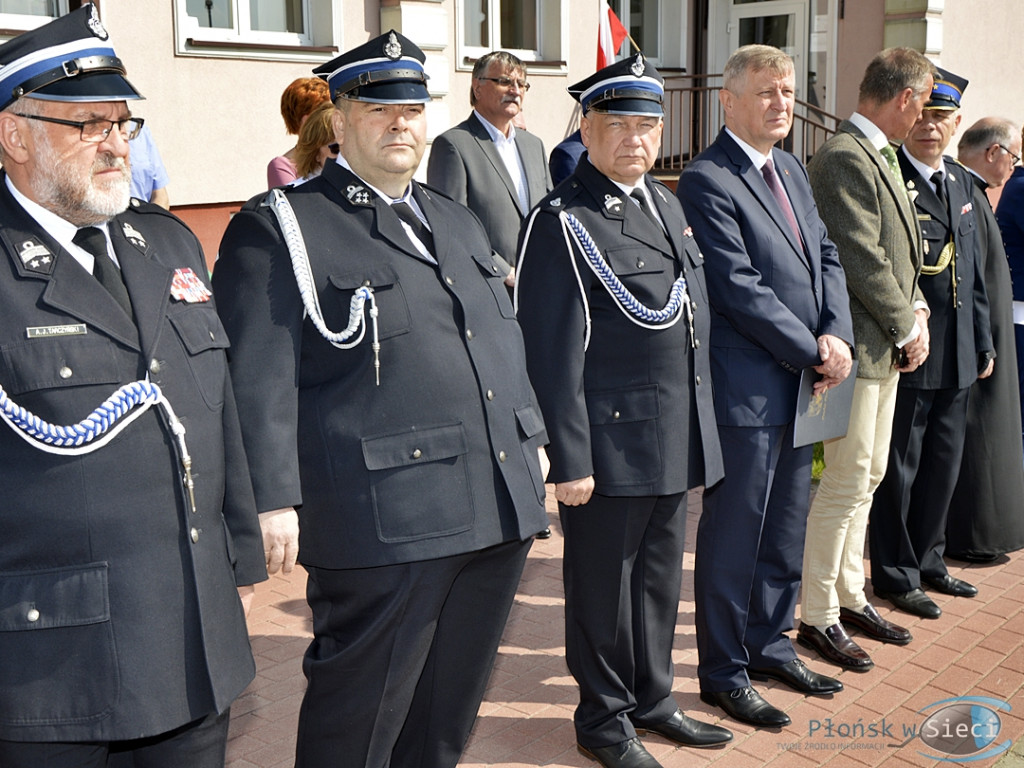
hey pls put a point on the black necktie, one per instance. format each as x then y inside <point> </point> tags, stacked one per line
<point>406,214</point>
<point>92,240</point>
<point>940,187</point>
<point>641,199</point>
<point>772,180</point>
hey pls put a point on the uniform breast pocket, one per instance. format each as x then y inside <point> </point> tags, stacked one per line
<point>495,277</point>
<point>205,342</point>
<point>392,308</point>
<point>58,646</point>
<point>624,437</point>
<point>419,483</point>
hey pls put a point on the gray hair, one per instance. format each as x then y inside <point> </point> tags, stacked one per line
<point>892,71</point>
<point>509,62</point>
<point>986,132</point>
<point>755,58</point>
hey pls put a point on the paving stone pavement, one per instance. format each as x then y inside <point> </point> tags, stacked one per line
<point>976,649</point>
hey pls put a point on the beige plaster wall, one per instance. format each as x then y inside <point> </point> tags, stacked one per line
<point>860,38</point>
<point>982,42</point>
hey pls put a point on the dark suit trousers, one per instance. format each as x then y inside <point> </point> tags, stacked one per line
<point>750,544</point>
<point>400,658</point>
<point>622,570</point>
<point>1018,337</point>
<point>201,744</point>
<point>907,527</point>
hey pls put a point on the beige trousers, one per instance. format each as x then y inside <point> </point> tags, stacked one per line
<point>833,570</point>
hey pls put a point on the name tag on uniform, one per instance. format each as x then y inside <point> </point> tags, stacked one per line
<point>46,331</point>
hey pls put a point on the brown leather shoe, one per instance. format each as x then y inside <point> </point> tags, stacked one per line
<point>835,645</point>
<point>871,623</point>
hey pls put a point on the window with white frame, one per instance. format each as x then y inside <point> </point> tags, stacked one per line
<point>509,25</point>
<point>29,14</point>
<point>260,22</point>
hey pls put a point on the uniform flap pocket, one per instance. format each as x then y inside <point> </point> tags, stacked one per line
<point>634,260</point>
<point>57,362</point>
<point>416,446</point>
<point>60,597</point>
<point>530,420</point>
<point>967,224</point>
<point>933,230</point>
<point>376,276</point>
<point>620,406</point>
<point>492,264</point>
<point>200,329</point>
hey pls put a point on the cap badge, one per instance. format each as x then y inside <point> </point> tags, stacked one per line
<point>357,194</point>
<point>638,66</point>
<point>393,48</point>
<point>96,25</point>
<point>612,204</point>
<point>35,256</point>
<point>133,235</point>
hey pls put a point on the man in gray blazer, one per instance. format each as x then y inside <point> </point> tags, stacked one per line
<point>861,198</point>
<point>496,171</point>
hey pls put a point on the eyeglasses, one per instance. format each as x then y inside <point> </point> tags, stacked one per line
<point>334,148</point>
<point>1015,158</point>
<point>508,82</point>
<point>95,131</point>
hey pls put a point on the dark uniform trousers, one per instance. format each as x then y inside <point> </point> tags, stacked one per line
<point>634,410</point>
<point>907,527</point>
<point>136,643</point>
<point>419,495</point>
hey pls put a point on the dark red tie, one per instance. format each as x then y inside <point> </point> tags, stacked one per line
<point>772,180</point>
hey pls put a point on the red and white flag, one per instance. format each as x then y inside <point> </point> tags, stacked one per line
<point>610,34</point>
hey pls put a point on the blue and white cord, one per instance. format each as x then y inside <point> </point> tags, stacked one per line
<point>119,410</point>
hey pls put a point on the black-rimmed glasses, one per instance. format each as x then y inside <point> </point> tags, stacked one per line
<point>95,131</point>
<point>508,82</point>
<point>1015,158</point>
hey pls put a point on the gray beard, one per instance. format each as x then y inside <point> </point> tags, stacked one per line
<point>76,199</point>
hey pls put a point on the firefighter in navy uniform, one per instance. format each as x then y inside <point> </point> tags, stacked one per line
<point>411,452</point>
<point>125,542</point>
<point>614,350</point>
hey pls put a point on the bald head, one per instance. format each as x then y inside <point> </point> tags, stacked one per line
<point>991,148</point>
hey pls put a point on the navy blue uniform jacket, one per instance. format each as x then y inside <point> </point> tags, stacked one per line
<point>119,615</point>
<point>439,459</point>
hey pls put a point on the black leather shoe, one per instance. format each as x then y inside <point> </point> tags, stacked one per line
<point>545,534</point>
<point>915,601</point>
<point>949,585</point>
<point>797,676</point>
<point>871,623</point>
<point>625,754</point>
<point>747,706</point>
<point>687,731</point>
<point>834,645</point>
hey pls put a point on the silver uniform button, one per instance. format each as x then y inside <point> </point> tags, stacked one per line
<point>417,454</point>
<point>449,280</point>
<point>469,335</point>
<point>212,337</point>
<point>154,366</point>
<point>502,456</point>
<point>698,380</point>
<point>32,615</point>
<point>490,394</point>
<point>195,535</point>
<point>616,415</point>
<point>65,372</point>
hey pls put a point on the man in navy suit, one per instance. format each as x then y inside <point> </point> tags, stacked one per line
<point>779,305</point>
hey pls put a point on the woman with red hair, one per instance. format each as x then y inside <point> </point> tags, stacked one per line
<point>297,102</point>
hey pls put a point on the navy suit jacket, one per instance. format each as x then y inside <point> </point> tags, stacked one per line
<point>771,298</point>
<point>1010,215</point>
